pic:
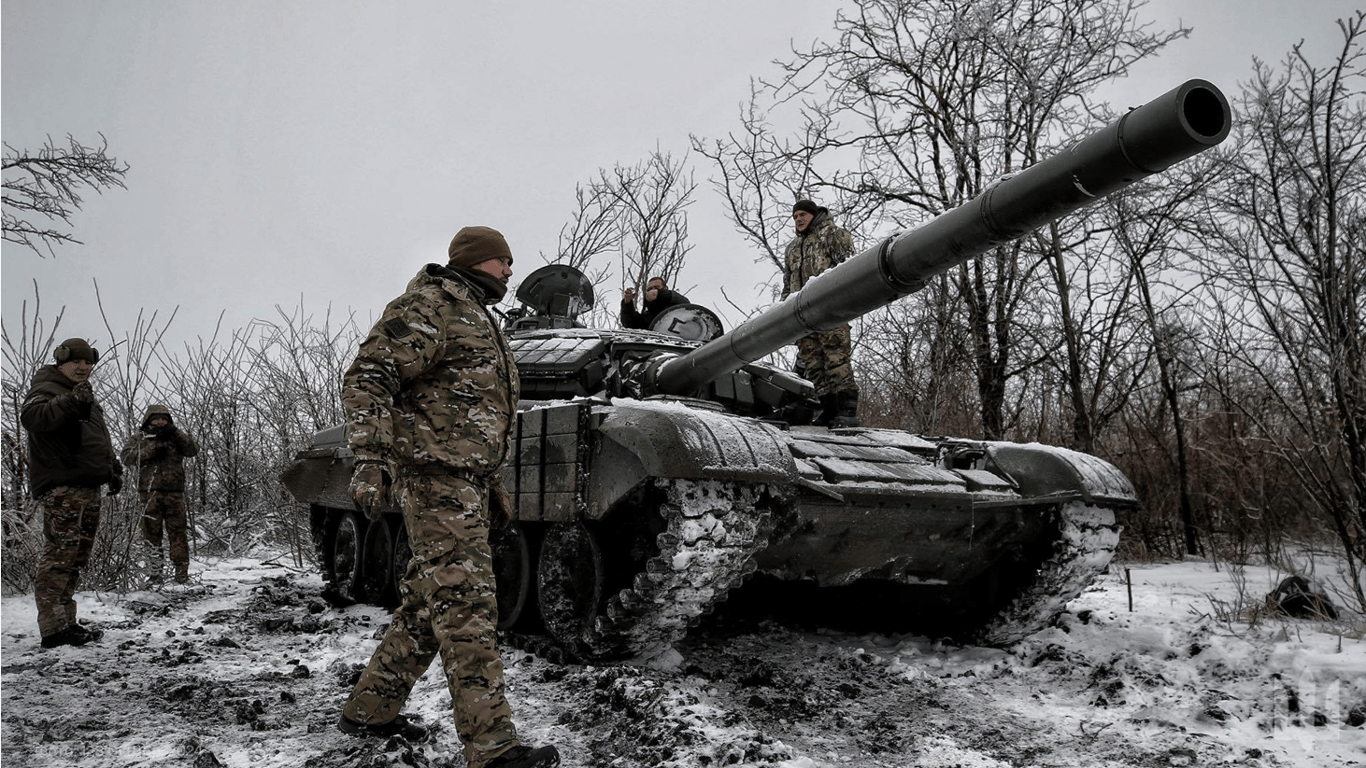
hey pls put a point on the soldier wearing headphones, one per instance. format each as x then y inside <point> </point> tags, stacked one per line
<point>70,457</point>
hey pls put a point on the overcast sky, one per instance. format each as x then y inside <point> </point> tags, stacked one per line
<point>323,150</point>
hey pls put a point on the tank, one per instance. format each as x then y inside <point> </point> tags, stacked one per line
<point>655,471</point>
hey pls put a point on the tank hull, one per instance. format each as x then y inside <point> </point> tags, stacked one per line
<point>672,504</point>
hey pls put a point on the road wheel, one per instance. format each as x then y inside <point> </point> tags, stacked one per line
<point>512,572</point>
<point>347,550</point>
<point>376,571</point>
<point>569,583</point>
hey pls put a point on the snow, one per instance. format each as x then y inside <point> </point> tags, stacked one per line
<point>247,667</point>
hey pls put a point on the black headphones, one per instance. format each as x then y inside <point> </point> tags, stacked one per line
<point>63,353</point>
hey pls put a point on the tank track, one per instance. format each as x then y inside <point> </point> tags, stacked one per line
<point>1088,535</point>
<point>714,530</point>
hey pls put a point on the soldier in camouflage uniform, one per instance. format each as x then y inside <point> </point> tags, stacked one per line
<point>431,399</point>
<point>157,453</point>
<point>70,457</point>
<point>820,245</point>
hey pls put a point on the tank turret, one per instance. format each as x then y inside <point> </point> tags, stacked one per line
<point>654,471</point>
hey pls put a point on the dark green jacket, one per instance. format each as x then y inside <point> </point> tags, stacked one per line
<point>68,442</point>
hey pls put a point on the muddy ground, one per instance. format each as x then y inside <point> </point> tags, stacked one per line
<point>248,666</point>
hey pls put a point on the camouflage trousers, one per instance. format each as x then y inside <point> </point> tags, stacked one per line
<point>448,607</point>
<point>71,516</point>
<point>165,509</point>
<point>826,355</point>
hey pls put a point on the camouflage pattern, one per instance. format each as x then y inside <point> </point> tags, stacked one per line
<point>826,354</point>
<point>165,510</point>
<point>71,516</point>
<point>158,458</point>
<point>434,384</point>
<point>432,395</point>
<point>448,607</point>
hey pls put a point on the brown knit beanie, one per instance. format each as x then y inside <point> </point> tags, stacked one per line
<point>474,245</point>
<point>75,349</point>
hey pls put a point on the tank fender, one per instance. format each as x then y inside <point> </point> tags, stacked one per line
<point>617,476</point>
<point>673,439</point>
<point>1045,470</point>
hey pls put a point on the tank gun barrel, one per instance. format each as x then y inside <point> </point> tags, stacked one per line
<point>1181,123</point>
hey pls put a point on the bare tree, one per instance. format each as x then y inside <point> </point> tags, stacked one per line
<point>639,213</point>
<point>1292,265</point>
<point>1140,317</point>
<point>43,188</point>
<point>759,182</point>
<point>23,354</point>
<point>590,233</point>
<point>650,202</point>
<point>915,108</point>
<point>22,527</point>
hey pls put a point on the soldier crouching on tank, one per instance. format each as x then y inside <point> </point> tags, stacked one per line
<point>70,457</point>
<point>826,355</point>
<point>431,399</point>
<point>658,298</point>
<point>157,453</point>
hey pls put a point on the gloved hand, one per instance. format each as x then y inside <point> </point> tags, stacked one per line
<point>83,392</point>
<point>370,487</point>
<point>115,485</point>
<point>500,504</point>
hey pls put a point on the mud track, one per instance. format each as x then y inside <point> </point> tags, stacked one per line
<point>251,670</point>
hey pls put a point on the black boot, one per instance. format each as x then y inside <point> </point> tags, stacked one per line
<point>846,409</point>
<point>829,408</point>
<point>72,635</point>
<point>522,756</point>
<point>399,726</point>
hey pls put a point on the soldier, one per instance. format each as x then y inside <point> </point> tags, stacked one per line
<point>430,399</point>
<point>818,246</point>
<point>157,454</point>
<point>70,457</point>
<point>658,298</point>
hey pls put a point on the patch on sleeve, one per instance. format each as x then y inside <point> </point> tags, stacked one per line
<point>396,328</point>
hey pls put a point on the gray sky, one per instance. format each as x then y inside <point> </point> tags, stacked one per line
<point>326,149</point>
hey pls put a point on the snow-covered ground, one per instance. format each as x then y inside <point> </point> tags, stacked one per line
<point>247,666</point>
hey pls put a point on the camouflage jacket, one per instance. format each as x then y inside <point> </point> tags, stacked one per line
<point>68,442</point>
<point>821,247</point>
<point>159,457</point>
<point>434,386</point>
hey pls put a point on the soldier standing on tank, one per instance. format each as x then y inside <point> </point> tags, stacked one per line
<point>658,298</point>
<point>70,457</point>
<point>157,453</point>
<point>826,355</point>
<point>430,400</point>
